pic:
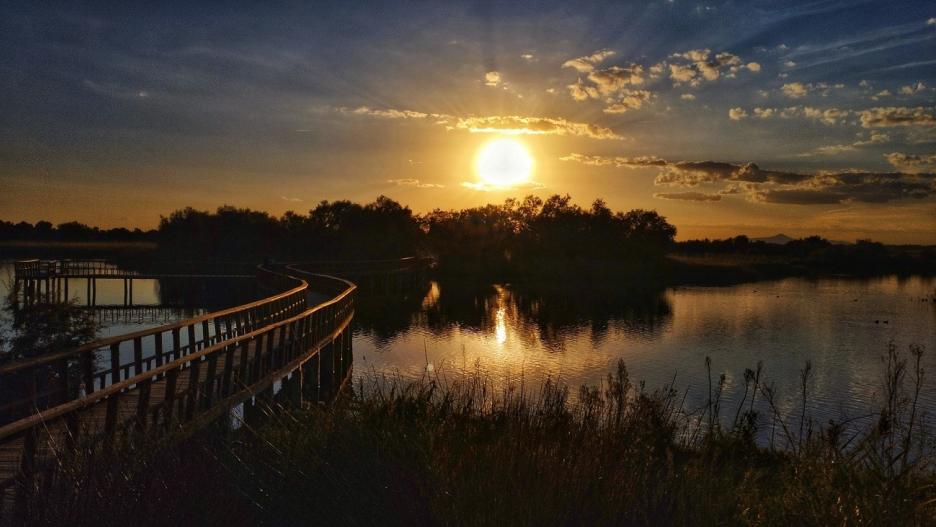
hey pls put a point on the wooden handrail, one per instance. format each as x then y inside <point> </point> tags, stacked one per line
<point>106,342</point>
<point>43,417</point>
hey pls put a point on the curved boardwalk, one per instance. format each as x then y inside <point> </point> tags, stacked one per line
<point>164,383</point>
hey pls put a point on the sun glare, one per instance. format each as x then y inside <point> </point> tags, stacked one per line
<point>504,163</point>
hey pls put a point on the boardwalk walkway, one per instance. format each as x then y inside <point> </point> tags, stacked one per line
<point>164,383</point>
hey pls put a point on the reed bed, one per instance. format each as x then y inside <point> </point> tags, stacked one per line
<point>470,452</point>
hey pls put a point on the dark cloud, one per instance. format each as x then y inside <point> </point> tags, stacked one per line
<point>777,186</point>
<point>688,196</point>
<point>892,116</point>
<point>912,162</point>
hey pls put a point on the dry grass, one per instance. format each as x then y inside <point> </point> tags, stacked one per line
<point>430,453</point>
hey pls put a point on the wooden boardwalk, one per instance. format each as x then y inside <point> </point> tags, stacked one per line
<point>192,373</point>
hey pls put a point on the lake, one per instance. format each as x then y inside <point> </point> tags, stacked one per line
<point>842,325</point>
<point>522,334</point>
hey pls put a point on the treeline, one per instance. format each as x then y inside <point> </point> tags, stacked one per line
<point>332,230</point>
<point>496,238</point>
<point>744,245</point>
<point>816,255</point>
<point>71,231</point>
<point>542,236</point>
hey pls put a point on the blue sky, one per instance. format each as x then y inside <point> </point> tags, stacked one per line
<point>815,116</point>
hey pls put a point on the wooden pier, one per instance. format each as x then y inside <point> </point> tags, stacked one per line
<point>49,280</point>
<point>163,383</point>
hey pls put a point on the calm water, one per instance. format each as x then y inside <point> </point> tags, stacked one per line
<point>156,302</point>
<point>843,326</point>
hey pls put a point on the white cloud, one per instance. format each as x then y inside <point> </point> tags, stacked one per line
<point>410,182</point>
<point>753,66</point>
<point>629,100</point>
<point>687,97</point>
<point>527,56</point>
<point>764,113</point>
<point>795,90</point>
<point>736,114</point>
<point>588,62</point>
<point>680,73</point>
<point>492,78</point>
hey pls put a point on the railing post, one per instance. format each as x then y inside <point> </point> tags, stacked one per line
<point>115,362</point>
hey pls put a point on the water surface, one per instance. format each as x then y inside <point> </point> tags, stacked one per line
<point>843,326</point>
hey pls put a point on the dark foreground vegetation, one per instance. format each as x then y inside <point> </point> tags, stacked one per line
<point>437,452</point>
<point>528,239</point>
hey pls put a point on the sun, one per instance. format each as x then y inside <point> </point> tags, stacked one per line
<point>504,163</point>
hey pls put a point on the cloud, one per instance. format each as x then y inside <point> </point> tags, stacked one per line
<point>688,196</point>
<point>582,92</point>
<point>764,113</point>
<point>614,85</point>
<point>875,138</point>
<point>701,66</point>
<point>516,125</point>
<point>827,116</point>
<point>681,73</point>
<point>410,182</point>
<point>912,163</point>
<point>527,57</point>
<point>502,124</point>
<point>291,200</point>
<point>615,78</point>
<point>687,97</point>
<point>492,78</point>
<point>588,62</point>
<point>617,161</point>
<point>736,114</point>
<point>629,100</point>
<point>386,114</point>
<point>931,22</point>
<point>795,90</point>
<point>892,116</point>
<point>485,187</point>
<point>777,186</point>
<point>913,89</point>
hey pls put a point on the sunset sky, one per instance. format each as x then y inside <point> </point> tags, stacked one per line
<point>727,117</point>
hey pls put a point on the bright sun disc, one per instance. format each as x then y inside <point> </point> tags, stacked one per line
<point>504,163</point>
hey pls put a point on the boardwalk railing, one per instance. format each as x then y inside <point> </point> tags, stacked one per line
<point>308,351</point>
<point>52,379</point>
<point>50,269</point>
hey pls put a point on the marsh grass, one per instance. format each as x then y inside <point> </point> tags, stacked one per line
<point>470,452</point>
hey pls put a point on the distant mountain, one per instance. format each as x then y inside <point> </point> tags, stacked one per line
<point>778,239</point>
